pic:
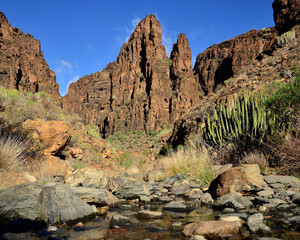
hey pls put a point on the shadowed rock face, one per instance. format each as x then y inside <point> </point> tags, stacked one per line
<point>222,61</point>
<point>185,87</point>
<point>22,64</point>
<point>135,92</point>
<point>286,14</point>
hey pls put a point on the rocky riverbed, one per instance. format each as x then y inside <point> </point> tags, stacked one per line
<point>239,204</point>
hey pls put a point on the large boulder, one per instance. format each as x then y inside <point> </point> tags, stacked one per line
<point>237,179</point>
<point>54,135</point>
<point>99,197</point>
<point>88,177</point>
<point>50,203</point>
<point>20,201</point>
<point>211,228</point>
<point>59,204</point>
<point>286,14</point>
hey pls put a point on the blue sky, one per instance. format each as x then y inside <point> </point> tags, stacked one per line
<point>81,37</point>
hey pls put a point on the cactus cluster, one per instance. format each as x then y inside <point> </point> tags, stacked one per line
<point>239,117</point>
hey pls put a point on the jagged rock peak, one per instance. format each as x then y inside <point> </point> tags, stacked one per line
<point>286,14</point>
<point>145,41</point>
<point>150,28</point>
<point>181,55</point>
<point>185,88</point>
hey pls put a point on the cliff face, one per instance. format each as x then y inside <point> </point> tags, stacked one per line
<point>22,64</point>
<point>286,14</point>
<point>143,89</point>
<point>222,61</point>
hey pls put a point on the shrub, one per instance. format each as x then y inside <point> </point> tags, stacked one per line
<point>284,103</point>
<point>285,38</point>
<point>192,162</point>
<point>12,152</point>
<point>92,131</point>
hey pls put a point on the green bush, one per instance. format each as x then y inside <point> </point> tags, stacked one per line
<point>92,131</point>
<point>284,103</point>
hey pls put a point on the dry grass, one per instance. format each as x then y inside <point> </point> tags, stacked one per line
<point>256,158</point>
<point>46,169</point>
<point>12,152</point>
<point>192,162</point>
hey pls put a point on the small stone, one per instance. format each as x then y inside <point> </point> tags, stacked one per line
<point>177,226</point>
<point>51,229</point>
<point>233,219</point>
<point>145,199</point>
<point>263,209</point>
<point>197,237</point>
<point>118,220</point>
<point>180,189</point>
<point>206,199</point>
<point>175,207</point>
<point>265,193</point>
<point>296,198</point>
<point>175,178</point>
<point>228,210</point>
<point>255,223</point>
<point>145,214</point>
<point>165,199</point>
<point>102,210</point>
<point>79,224</point>
<point>295,219</point>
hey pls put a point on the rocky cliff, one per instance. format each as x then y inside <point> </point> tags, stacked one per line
<point>22,64</point>
<point>143,89</point>
<point>222,61</point>
<point>286,14</point>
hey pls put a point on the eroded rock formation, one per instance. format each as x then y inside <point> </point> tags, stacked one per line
<point>222,61</point>
<point>185,87</point>
<point>22,64</point>
<point>286,14</point>
<point>137,91</point>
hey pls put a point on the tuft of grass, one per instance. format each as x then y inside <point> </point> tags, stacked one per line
<point>256,158</point>
<point>12,152</point>
<point>192,162</point>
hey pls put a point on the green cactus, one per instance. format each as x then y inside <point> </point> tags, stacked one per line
<point>238,117</point>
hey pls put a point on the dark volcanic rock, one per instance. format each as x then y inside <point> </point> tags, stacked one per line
<point>222,61</point>
<point>286,14</point>
<point>22,64</point>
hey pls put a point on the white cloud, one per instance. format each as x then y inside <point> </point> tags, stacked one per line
<point>134,22</point>
<point>63,67</point>
<point>168,42</point>
<point>74,79</point>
